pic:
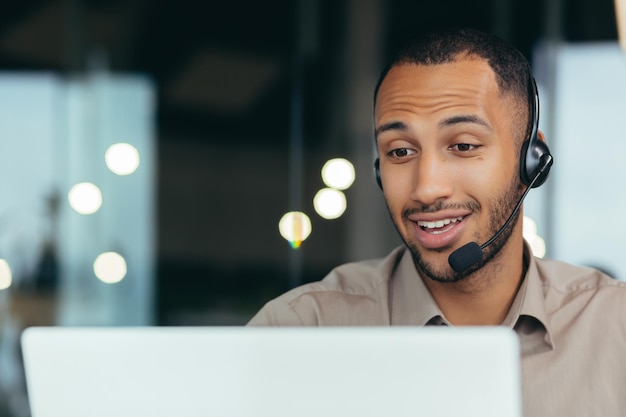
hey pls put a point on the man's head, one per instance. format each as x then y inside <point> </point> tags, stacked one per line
<point>451,113</point>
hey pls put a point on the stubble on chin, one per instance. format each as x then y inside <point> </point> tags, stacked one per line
<point>500,209</point>
<point>443,273</point>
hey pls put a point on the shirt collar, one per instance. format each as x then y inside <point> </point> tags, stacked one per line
<point>411,302</point>
<point>528,311</point>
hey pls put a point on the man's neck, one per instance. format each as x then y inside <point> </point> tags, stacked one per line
<point>485,297</point>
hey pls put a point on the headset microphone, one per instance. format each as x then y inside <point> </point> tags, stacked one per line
<point>471,253</point>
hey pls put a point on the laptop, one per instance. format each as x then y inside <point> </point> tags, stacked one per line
<point>277,372</point>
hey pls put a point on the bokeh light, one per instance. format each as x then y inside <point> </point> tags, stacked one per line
<point>5,275</point>
<point>620,13</point>
<point>295,227</point>
<point>122,158</point>
<point>85,198</point>
<point>110,267</point>
<point>536,242</point>
<point>338,173</point>
<point>329,203</point>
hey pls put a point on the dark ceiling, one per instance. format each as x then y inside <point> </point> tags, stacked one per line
<point>225,69</point>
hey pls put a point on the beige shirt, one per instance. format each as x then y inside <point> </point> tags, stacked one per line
<point>571,322</point>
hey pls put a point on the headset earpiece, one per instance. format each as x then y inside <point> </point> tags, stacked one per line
<point>531,154</point>
<point>533,148</point>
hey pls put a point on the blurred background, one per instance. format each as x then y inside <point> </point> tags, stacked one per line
<point>149,150</point>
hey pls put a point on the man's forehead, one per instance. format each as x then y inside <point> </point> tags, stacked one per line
<point>433,80</point>
<point>464,91</point>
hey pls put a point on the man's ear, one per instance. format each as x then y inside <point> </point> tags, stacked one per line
<point>541,136</point>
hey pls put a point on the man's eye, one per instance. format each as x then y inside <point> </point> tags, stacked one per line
<point>400,152</point>
<point>463,147</point>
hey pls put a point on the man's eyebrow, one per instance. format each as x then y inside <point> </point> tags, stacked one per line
<point>464,118</point>
<point>391,126</point>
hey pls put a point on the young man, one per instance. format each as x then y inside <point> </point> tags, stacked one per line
<point>456,131</point>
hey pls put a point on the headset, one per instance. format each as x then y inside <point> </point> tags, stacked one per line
<point>534,148</point>
<point>532,151</point>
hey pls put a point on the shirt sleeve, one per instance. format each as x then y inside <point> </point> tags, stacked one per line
<point>277,312</point>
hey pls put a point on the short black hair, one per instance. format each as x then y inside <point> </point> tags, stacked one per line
<point>509,65</point>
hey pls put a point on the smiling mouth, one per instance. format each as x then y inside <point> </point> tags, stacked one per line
<point>439,226</point>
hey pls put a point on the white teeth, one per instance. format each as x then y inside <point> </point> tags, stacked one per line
<point>439,223</point>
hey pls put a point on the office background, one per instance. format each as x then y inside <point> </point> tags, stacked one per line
<point>241,103</point>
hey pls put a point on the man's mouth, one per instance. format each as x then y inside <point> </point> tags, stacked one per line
<point>439,226</point>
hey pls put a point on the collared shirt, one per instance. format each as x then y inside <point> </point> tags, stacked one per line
<point>571,322</point>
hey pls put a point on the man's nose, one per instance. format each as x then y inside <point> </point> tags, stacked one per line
<point>432,180</point>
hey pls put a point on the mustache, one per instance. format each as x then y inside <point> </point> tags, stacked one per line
<point>439,206</point>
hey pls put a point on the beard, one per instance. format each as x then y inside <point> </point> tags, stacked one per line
<point>500,208</point>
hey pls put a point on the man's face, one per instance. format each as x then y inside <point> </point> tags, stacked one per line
<point>448,159</point>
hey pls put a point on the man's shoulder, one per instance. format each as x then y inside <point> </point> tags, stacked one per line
<point>353,278</point>
<point>364,282</point>
<point>565,277</point>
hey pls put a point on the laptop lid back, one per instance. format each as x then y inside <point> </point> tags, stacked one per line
<point>277,372</point>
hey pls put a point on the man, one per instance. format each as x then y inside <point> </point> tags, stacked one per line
<point>456,119</point>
